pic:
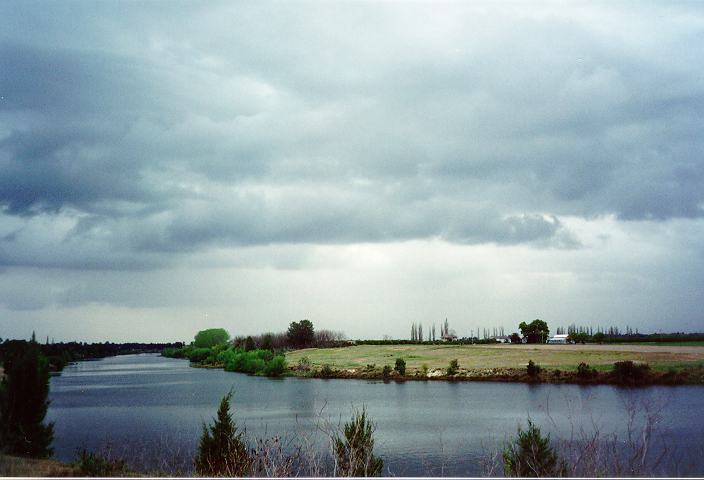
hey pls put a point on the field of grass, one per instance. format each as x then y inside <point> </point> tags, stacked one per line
<point>32,467</point>
<point>672,344</point>
<point>564,357</point>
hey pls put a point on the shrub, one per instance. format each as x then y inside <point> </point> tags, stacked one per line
<point>584,371</point>
<point>222,451</point>
<point>453,368</point>
<point>23,403</point>
<point>326,371</point>
<point>249,344</point>
<point>386,371</point>
<point>355,452</point>
<point>371,366</point>
<point>198,355</point>
<point>96,465</point>
<point>424,369</point>
<point>304,363</point>
<point>275,367</point>
<point>533,369</point>
<point>531,455</point>
<point>400,366</point>
<point>629,372</point>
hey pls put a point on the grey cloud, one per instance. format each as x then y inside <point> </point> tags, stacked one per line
<point>230,125</point>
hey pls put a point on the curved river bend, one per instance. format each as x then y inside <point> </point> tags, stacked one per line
<point>147,408</point>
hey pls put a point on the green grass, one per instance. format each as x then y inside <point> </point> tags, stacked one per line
<point>485,357</point>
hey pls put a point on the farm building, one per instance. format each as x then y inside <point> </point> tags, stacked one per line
<point>560,338</point>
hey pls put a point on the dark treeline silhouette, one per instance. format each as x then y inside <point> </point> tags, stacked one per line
<point>62,353</point>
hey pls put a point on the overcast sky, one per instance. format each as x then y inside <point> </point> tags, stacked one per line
<point>171,166</point>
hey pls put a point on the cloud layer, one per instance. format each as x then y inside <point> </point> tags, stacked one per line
<point>136,137</point>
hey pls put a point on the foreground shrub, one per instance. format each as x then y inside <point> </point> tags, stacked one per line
<point>222,451</point>
<point>355,452</point>
<point>326,371</point>
<point>97,465</point>
<point>386,371</point>
<point>531,455</point>
<point>400,366</point>
<point>24,392</point>
<point>453,368</point>
<point>533,369</point>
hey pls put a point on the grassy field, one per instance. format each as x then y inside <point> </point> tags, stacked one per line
<point>564,357</point>
<point>33,467</point>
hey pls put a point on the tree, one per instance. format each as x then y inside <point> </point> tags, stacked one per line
<point>23,403</point>
<point>599,337</point>
<point>211,337</point>
<point>400,366</point>
<point>536,331</point>
<point>355,452</point>
<point>531,455</point>
<point>301,334</point>
<point>249,344</point>
<point>222,451</point>
<point>420,332</point>
<point>515,338</point>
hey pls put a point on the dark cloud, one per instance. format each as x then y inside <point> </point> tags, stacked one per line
<point>147,131</point>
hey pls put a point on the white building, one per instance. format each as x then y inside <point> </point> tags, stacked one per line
<point>560,338</point>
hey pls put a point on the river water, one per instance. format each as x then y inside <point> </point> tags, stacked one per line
<point>150,410</point>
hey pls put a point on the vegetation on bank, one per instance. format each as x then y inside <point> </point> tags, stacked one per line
<point>60,354</point>
<point>564,364</point>
<point>24,392</point>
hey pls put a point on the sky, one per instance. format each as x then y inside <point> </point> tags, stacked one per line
<point>167,167</point>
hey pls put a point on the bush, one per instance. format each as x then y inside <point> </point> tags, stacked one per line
<point>96,465</point>
<point>453,368</point>
<point>198,355</point>
<point>326,371</point>
<point>531,455</point>
<point>424,369</point>
<point>275,367</point>
<point>222,451</point>
<point>584,371</point>
<point>23,403</point>
<point>304,363</point>
<point>400,366</point>
<point>533,369</point>
<point>355,452</point>
<point>386,371</point>
<point>628,372</point>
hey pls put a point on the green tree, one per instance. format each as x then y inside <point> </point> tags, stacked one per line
<point>599,337</point>
<point>301,334</point>
<point>531,455</point>
<point>211,337</point>
<point>536,331</point>
<point>23,403</point>
<point>222,451</point>
<point>355,452</point>
<point>400,366</point>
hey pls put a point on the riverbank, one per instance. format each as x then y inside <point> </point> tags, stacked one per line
<point>671,365</point>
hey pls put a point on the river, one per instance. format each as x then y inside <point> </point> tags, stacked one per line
<point>150,410</point>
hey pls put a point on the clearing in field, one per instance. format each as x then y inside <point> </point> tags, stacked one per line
<point>564,357</point>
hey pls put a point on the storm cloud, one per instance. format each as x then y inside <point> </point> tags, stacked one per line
<point>143,136</point>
